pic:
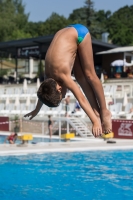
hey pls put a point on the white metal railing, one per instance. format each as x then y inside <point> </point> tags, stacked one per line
<point>77,124</point>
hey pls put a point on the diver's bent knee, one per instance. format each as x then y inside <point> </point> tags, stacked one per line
<point>91,77</point>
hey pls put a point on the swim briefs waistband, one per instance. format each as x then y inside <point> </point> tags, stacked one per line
<point>81,30</point>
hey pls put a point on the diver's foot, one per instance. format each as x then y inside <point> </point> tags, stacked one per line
<point>106,121</point>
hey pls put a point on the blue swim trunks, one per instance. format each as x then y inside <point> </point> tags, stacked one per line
<point>81,30</point>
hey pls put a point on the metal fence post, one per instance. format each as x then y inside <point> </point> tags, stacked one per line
<point>59,127</point>
<point>67,126</point>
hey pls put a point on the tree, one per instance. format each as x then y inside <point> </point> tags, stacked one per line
<point>54,23</point>
<point>90,13</point>
<point>95,21</point>
<point>35,29</point>
<point>120,26</point>
<point>99,24</point>
<point>13,20</point>
<point>78,16</point>
<point>102,18</point>
<point>84,15</point>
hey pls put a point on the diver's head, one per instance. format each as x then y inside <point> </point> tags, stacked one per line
<point>50,93</point>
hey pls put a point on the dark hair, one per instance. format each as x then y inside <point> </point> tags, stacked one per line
<point>48,94</point>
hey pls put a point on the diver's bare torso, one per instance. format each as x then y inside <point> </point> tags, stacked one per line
<point>61,54</point>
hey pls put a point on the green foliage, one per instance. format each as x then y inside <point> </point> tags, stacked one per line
<point>78,16</point>
<point>49,27</point>
<point>90,13</point>
<point>20,34</point>
<point>33,28</point>
<point>3,72</point>
<point>120,26</point>
<point>95,21</point>
<point>12,19</point>
<point>16,119</point>
<point>14,22</point>
<point>54,23</point>
<point>16,122</point>
<point>99,24</point>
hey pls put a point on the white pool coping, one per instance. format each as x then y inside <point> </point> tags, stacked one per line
<point>83,144</point>
<point>41,151</point>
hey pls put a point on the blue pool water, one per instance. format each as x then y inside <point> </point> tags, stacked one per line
<point>35,140</point>
<point>68,176</point>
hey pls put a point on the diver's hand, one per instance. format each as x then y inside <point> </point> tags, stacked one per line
<point>31,114</point>
<point>97,129</point>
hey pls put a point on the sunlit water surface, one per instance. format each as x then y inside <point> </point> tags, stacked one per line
<point>88,175</point>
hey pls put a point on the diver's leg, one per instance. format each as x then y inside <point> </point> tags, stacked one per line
<point>50,131</point>
<point>86,60</point>
<point>81,79</point>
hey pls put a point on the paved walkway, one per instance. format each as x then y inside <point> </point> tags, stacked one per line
<point>84,145</point>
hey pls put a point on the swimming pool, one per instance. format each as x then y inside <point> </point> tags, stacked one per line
<point>68,176</point>
<point>35,140</point>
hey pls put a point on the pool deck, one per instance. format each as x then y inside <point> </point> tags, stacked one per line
<point>81,144</point>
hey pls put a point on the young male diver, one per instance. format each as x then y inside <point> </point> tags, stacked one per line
<point>71,49</point>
